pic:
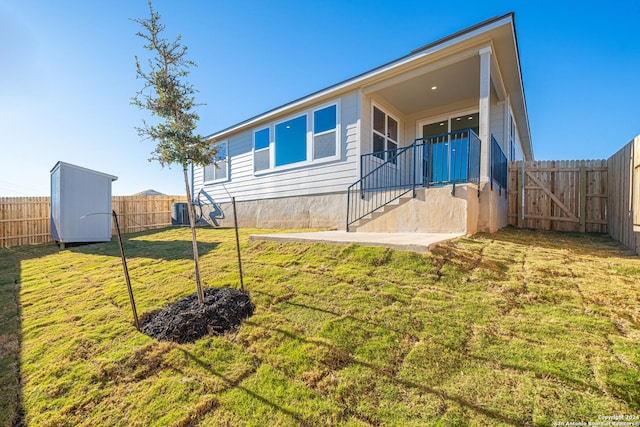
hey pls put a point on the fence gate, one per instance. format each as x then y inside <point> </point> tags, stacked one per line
<point>559,195</point>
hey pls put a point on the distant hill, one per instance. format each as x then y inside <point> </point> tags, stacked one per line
<point>149,193</point>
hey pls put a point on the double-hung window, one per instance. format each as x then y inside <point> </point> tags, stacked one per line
<point>218,170</point>
<point>385,135</point>
<point>262,149</point>
<point>325,132</point>
<point>303,139</point>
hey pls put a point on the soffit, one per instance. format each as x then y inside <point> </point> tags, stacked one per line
<point>453,83</point>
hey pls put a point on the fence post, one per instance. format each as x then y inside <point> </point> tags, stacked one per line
<point>126,272</point>
<point>235,226</point>
<point>520,200</point>
<point>583,199</point>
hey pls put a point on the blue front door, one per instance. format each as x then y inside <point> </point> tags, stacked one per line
<point>446,149</point>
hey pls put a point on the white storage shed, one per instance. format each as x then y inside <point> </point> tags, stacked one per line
<point>80,204</point>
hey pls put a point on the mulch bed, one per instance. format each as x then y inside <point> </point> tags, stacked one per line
<point>186,320</point>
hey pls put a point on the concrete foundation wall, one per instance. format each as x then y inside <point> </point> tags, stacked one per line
<point>319,211</point>
<point>433,210</point>
<point>493,208</point>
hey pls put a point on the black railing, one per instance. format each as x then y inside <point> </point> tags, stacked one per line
<point>498,165</point>
<point>382,182</point>
<point>450,158</point>
<point>432,161</point>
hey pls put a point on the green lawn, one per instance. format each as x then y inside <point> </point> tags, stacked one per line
<point>514,328</point>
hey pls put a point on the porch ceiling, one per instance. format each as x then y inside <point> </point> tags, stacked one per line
<point>455,82</point>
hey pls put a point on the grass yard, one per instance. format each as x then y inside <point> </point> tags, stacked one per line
<point>514,328</point>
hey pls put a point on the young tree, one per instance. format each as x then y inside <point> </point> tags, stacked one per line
<point>170,99</point>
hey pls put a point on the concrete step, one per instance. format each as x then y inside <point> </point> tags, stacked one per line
<point>382,211</point>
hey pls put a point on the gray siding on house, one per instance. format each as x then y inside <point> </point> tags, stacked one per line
<point>330,177</point>
<point>497,126</point>
<point>519,152</point>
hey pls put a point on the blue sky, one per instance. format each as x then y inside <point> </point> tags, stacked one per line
<point>67,72</point>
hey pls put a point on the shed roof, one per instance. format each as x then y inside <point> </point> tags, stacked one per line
<point>64,164</point>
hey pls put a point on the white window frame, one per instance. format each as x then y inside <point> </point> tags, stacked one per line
<point>386,124</point>
<point>310,161</point>
<point>441,118</point>
<point>274,142</point>
<point>336,130</point>
<point>270,147</point>
<point>219,161</point>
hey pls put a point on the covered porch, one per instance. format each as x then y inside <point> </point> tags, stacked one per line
<point>444,122</point>
<point>436,104</point>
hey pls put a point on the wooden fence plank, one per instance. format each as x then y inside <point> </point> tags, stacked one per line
<point>583,199</point>
<point>623,201</point>
<point>26,220</point>
<point>567,195</point>
<point>549,192</point>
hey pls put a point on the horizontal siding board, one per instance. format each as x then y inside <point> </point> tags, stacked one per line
<point>496,124</point>
<point>248,190</point>
<point>310,179</point>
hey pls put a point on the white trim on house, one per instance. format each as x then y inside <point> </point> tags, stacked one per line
<point>399,125</point>
<point>336,129</point>
<point>443,117</point>
<point>484,111</point>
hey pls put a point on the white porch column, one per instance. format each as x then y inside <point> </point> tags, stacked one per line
<point>484,111</point>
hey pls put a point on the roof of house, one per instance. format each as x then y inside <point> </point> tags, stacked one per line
<point>478,30</point>
<point>149,192</point>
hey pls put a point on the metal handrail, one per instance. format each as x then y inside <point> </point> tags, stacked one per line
<point>382,185</point>
<point>499,165</point>
<point>451,158</point>
<point>447,158</point>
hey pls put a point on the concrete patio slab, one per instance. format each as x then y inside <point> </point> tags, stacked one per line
<point>419,242</point>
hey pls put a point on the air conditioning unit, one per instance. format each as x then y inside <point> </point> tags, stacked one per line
<point>180,214</point>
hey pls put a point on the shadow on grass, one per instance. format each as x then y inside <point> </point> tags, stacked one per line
<point>389,373</point>
<point>236,384</point>
<point>12,413</point>
<point>168,250</point>
<point>337,314</point>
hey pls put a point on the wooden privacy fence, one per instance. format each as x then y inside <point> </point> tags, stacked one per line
<point>601,196</point>
<point>137,213</point>
<point>568,195</point>
<point>26,220</point>
<point>624,195</point>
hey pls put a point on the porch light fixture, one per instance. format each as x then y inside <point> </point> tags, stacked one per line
<point>434,87</point>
